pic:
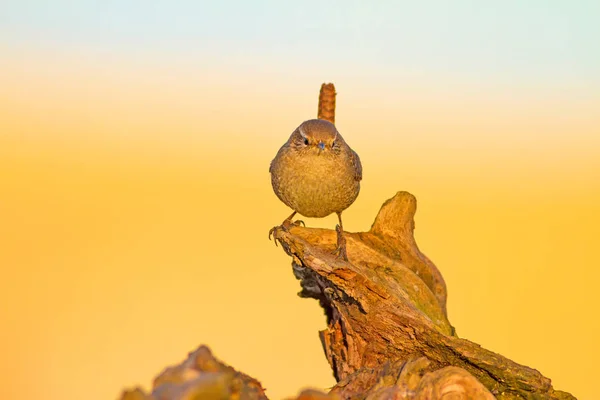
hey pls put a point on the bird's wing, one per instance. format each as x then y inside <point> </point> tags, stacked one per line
<point>356,164</point>
<point>282,150</point>
<point>275,159</point>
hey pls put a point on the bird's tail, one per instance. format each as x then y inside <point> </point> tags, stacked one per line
<point>327,103</point>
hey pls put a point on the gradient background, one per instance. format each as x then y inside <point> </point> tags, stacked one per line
<point>135,139</point>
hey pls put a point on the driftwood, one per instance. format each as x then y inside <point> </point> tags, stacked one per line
<point>387,336</point>
<point>387,333</point>
<point>200,376</point>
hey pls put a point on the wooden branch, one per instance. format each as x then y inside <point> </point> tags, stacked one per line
<point>386,310</point>
<point>387,337</point>
<point>200,376</point>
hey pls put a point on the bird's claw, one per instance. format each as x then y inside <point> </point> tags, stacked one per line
<point>298,222</point>
<point>285,226</point>
<point>272,233</point>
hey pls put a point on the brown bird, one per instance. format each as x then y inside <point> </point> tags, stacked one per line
<point>316,173</point>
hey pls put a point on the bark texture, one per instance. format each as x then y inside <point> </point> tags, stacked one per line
<point>200,376</point>
<point>387,337</point>
<point>387,326</point>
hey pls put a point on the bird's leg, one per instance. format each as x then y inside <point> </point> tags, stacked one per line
<point>286,225</point>
<point>341,240</point>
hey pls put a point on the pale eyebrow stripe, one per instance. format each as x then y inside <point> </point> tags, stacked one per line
<point>301,132</point>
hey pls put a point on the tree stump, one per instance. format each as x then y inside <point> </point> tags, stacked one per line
<point>388,334</point>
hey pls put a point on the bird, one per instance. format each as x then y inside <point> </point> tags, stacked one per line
<point>316,173</point>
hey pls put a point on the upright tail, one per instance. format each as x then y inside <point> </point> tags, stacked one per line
<point>327,103</point>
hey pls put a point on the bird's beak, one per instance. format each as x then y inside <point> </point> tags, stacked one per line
<point>322,145</point>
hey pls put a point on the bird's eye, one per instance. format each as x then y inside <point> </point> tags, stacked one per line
<point>306,141</point>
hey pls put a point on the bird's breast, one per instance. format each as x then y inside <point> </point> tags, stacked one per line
<point>315,185</point>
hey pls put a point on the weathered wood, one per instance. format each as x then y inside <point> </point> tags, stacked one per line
<point>388,304</point>
<point>388,336</point>
<point>200,376</point>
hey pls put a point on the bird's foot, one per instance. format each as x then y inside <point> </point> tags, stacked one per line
<point>285,226</point>
<point>290,224</point>
<point>340,251</point>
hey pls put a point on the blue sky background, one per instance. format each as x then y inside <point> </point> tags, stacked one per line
<point>507,40</point>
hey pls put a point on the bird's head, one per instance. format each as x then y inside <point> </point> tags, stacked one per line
<point>318,136</point>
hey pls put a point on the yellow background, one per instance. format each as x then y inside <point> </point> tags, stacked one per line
<point>135,204</point>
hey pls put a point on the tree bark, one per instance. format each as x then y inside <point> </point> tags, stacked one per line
<point>386,315</point>
<point>200,377</point>
<point>387,333</point>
